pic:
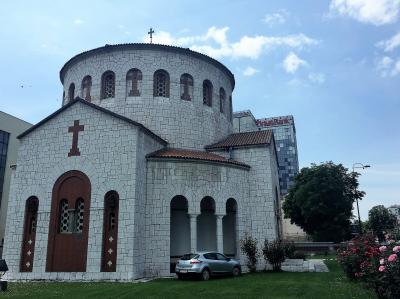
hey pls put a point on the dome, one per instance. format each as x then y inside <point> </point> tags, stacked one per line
<point>183,96</point>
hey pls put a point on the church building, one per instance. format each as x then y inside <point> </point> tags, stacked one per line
<point>139,166</point>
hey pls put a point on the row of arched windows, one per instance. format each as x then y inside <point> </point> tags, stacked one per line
<point>161,87</point>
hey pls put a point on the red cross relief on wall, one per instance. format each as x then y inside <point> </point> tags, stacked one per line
<point>75,129</point>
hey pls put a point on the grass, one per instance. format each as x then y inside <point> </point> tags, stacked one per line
<point>259,285</point>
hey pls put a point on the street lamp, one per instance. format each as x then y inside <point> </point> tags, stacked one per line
<point>359,165</point>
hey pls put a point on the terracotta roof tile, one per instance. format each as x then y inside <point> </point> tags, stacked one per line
<point>244,139</point>
<point>171,153</point>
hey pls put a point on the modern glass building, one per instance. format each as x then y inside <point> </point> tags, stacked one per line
<point>286,147</point>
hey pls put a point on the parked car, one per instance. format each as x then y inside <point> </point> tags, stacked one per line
<point>206,264</point>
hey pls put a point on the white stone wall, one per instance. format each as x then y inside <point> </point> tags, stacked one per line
<point>262,181</point>
<point>244,123</point>
<point>184,124</point>
<point>194,181</point>
<point>109,155</point>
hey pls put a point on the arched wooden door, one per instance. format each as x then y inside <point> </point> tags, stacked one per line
<point>69,223</point>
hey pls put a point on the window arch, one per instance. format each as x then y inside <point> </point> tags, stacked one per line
<point>133,78</point>
<point>186,87</point>
<point>110,232</point>
<point>71,92</point>
<point>222,96</point>
<point>161,84</point>
<point>86,88</point>
<point>207,93</point>
<point>108,85</point>
<point>29,237</point>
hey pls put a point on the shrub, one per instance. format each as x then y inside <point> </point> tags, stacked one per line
<point>289,248</point>
<point>248,245</point>
<point>274,253</point>
<point>376,265</point>
<point>354,255</point>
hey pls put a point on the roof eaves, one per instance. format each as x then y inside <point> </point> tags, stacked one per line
<point>106,111</point>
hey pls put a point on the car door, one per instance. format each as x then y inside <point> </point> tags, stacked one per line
<point>223,263</point>
<point>212,261</point>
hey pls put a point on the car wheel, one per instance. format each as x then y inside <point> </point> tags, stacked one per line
<point>236,271</point>
<point>205,274</point>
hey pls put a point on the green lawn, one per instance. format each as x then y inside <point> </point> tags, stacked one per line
<point>260,285</point>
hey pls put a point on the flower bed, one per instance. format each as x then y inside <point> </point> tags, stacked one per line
<point>365,260</point>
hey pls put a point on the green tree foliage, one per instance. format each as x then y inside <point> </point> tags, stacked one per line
<point>380,220</point>
<point>321,201</point>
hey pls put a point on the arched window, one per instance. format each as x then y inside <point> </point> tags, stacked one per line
<point>29,237</point>
<point>64,223</point>
<point>161,84</point>
<point>133,78</point>
<point>110,232</point>
<point>71,92</point>
<point>108,85</point>
<point>222,97</point>
<point>207,93</point>
<point>71,220</point>
<point>86,87</point>
<point>79,213</point>
<point>186,87</point>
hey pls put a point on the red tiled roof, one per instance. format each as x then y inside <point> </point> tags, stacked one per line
<point>171,153</point>
<point>244,139</point>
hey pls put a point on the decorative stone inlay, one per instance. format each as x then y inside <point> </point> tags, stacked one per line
<point>29,252</point>
<point>28,264</point>
<point>30,242</point>
<point>110,251</point>
<point>111,239</point>
<point>109,263</point>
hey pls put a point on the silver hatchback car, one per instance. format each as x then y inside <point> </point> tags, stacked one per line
<point>206,264</point>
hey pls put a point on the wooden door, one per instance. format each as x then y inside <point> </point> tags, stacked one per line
<point>69,223</point>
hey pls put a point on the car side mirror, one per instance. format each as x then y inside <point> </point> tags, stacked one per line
<point>228,259</point>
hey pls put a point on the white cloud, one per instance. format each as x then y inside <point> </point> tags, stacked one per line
<point>78,22</point>
<point>292,62</point>
<point>388,67</point>
<point>276,18</point>
<point>390,44</point>
<point>250,71</point>
<point>377,12</point>
<point>317,78</point>
<point>215,43</point>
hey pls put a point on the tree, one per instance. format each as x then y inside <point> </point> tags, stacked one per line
<point>321,201</point>
<point>381,219</point>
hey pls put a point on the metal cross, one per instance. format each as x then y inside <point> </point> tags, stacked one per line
<point>151,35</point>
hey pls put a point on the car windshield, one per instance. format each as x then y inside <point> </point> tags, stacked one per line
<point>189,256</point>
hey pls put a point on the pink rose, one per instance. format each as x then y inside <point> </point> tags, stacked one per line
<point>381,268</point>
<point>396,249</point>
<point>382,261</point>
<point>392,258</point>
<point>382,248</point>
<point>391,241</point>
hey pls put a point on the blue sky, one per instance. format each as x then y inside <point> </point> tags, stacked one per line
<point>334,65</point>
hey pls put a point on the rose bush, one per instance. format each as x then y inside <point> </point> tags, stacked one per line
<point>376,265</point>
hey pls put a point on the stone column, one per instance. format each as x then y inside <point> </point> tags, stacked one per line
<point>193,232</point>
<point>220,236</point>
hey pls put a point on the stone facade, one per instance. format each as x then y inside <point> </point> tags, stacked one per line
<point>184,124</point>
<point>223,194</point>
